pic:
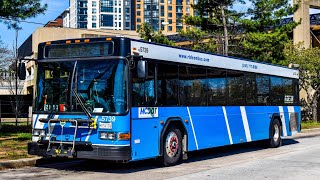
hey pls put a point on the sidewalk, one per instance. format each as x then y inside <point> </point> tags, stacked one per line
<point>39,160</point>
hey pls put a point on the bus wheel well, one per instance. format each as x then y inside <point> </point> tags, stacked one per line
<point>176,122</point>
<point>274,116</point>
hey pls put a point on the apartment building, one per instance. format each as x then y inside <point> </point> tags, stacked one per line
<point>165,15</point>
<point>101,14</point>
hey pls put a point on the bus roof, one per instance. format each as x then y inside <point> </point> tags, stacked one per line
<point>180,55</point>
<point>175,54</point>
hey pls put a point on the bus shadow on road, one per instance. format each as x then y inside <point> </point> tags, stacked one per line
<point>232,150</point>
<point>82,166</point>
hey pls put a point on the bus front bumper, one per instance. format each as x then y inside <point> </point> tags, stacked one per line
<point>84,151</point>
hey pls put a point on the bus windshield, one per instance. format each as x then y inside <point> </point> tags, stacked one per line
<point>100,84</point>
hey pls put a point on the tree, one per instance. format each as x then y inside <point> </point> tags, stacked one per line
<point>147,33</point>
<point>309,76</point>
<point>217,20</point>
<point>265,36</point>
<point>13,11</point>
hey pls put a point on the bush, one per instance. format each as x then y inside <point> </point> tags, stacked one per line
<point>11,128</point>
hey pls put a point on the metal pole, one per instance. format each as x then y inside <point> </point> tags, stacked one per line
<point>0,115</point>
<point>16,111</point>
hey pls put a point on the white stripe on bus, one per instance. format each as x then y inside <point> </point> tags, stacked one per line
<point>227,124</point>
<point>245,123</point>
<point>283,121</point>
<point>194,133</point>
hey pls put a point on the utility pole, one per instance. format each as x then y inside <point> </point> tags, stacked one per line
<point>16,76</point>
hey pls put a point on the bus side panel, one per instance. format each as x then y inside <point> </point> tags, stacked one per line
<point>209,127</point>
<point>259,118</point>
<point>145,137</point>
<point>236,125</point>
<point>298,110</point>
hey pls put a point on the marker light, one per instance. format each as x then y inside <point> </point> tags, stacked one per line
<point>124,136</point>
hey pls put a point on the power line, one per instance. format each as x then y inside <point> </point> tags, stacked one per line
<point>29,22</point>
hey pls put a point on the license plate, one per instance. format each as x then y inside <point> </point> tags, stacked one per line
<point>105,125</point>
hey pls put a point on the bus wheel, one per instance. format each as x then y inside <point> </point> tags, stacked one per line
<point>275,134</point>
<point>172,146</point>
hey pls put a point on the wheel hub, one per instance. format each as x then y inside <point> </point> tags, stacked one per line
<point>276,134</point>
<point>172,144</point>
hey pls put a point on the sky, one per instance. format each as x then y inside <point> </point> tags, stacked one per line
<point>55,8</point>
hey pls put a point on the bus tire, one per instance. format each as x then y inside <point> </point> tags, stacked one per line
<point>275,134</point>
<point>172,146</point>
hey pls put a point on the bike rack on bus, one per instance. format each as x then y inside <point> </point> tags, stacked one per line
<point>60,151</point>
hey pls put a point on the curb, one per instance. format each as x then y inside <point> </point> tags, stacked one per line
<point>307,133</point>
<point>19,163</point>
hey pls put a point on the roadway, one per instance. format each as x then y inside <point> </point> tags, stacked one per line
<point>298,158</point>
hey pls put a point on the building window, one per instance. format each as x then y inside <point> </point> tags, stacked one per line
<point>94,25</point>
<point>127,10</point>
<point>94,10</point>
<point>170,8</point>
<point>138,20</point>
<point>82,11</point>
<point>94,3</point>
<point>179,9</point>
<point>127,24</point>
<point>138,13</point>
<point>169,14</point>
<point>82,25</point>
<point>107,6</point>
<point>82,4</point>
<point>179,2</point>
<point>94,18</point>
<point>107,20</point>
<point>138,6</point>
<point>169,28</point>
<point>162,10</point>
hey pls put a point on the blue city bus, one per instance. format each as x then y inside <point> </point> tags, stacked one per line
<point>121,99</point>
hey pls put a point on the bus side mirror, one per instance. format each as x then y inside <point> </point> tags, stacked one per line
<point>142,68</point>
<point>22,71</point>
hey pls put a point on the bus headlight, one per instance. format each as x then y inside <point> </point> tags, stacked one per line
<point>39,132</point>
<point>108,135</point>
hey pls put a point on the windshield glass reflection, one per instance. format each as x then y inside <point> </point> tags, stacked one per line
<point>101,86</point>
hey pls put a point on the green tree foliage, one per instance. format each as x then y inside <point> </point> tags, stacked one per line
<point>309,75</point>
<point>13,11</point>
<point>147,33</point>
<point>265,38</point>
<point>217,21</point>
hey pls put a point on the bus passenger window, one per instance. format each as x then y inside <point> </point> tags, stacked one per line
<point>167,85</point>
<point>143,92</point>
<point>217,87</point>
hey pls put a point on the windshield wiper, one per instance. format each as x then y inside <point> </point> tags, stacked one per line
<point>85,110</point>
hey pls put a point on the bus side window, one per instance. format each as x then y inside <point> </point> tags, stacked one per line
<point>143,90</point>
<point>167,85</point>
